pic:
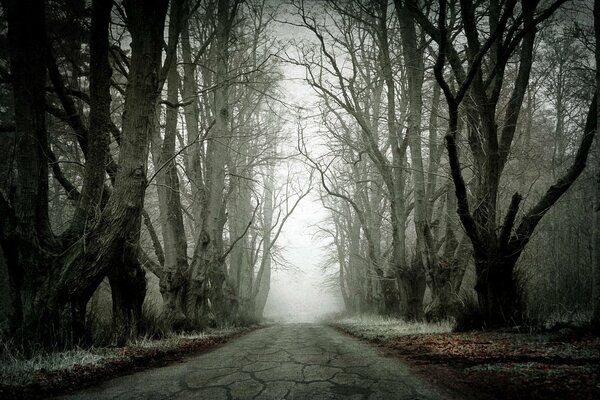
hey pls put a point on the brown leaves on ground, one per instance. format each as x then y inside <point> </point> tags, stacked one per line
<point>495,365</point>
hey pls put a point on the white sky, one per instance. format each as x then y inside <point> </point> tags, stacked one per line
<point>298,294</point>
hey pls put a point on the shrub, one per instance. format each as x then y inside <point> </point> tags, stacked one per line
<point>468,315</point>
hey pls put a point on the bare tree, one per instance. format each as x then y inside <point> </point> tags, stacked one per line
<point>496,248</point>
<point>596,221</point>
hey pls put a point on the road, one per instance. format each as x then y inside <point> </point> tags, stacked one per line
<point>295,361</point>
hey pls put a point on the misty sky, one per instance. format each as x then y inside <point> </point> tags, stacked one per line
<point>299,292</point>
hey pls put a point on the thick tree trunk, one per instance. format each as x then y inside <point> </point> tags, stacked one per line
<point>497,292</point>
<point>175,269</point>
<point>97,152</point>
<point>396,179</point>
<point>596,216</point>
<point>497,249</point>
<point>447,278</point>
<point>49,326</point>
<point>389,293</point>
<point>26,234</point>
<point>414,284</point>
<point>596,242</point>
<point>146,24</point>
<point>426,257</point>
<point>111,247</point>
<point>208,265</point>
<point>172,284</point>
<point>128,289</point>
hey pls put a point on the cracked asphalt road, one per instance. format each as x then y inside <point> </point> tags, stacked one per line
<point>295,361</point>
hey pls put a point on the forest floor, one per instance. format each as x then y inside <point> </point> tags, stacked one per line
<point>48,374</point>
<point>490,365</point>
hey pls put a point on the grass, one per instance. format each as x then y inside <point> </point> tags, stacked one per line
<point>380,328</point>
<point>492,364</point>
<point>53,372</point>
<point>17,369</point>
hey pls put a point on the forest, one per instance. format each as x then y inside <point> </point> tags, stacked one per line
<point>152,152</point>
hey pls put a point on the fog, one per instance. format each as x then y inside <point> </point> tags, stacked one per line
<point>298,289</point>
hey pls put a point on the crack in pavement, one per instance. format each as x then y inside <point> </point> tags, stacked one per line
<point>294,361</point>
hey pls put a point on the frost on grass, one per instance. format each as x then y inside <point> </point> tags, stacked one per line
<point>374,327</point>
<point>17,368</point>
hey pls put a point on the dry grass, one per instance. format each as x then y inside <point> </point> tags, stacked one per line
<point>18,367</point>
<point>490,365</point>
<point>380,328</point>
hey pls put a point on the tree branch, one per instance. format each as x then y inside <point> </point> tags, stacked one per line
<point>232,245</point>
<point>554,192</point>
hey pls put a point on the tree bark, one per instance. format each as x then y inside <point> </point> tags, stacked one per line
<point>193,157</point>
<point>175,269</point>
<point>497,249</point>
<point>26,234</point>
<point>426,257</point>
<point>596,220</point>
<point>262,284</point>
<point>208,265</point>
<point>98,138</point>
<point>111,247</point>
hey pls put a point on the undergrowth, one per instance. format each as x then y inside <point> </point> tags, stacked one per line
<point>376,327</point>
<point>19,366</point>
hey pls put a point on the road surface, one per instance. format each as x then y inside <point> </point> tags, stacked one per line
<point>295,361</point>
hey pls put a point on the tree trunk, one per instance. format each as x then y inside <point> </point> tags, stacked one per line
<point>262,284</point>
<point>172,284</point>
<point>499,299</point>
<point>396,181</point>
<point>596,239</point>
<point>98,140</point>
<point>112,245</point>
<point>414,280</point>
<point>26,234</point>
<point>208,265</point>
<point>414,284</point>
<point>446,277</point>
<point>193,156</point>
<point>173,279</point>
<point>497,249</point>
<point>596,217</point>
<point>240,270</point>
<point>339,241</point>
<point>97,151</point>
<point>389,293</point>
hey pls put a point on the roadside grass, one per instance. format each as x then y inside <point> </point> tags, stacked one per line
<point>16,368</point>
<point>539,365</point>
<point>40,373</point>
<point>378,328</point>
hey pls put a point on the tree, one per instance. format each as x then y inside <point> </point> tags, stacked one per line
<point>340,87</point>
<point>173,274</point>
<point>496,248</point>
<point>26,233</point>
<point>113,242</point>
<point>596,220</point>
